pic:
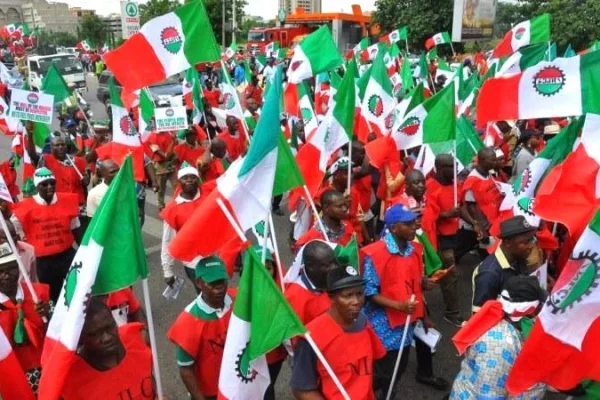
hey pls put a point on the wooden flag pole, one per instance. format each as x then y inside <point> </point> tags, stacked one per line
<point>455,176</point>
<point>276,249</point>
<point>314,209</point>
<point>349,183</point>
<point>404,334</point>
<point>155,365</point>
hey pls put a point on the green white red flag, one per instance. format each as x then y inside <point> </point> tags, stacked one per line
<point>111,257</point>
<point>334,132</point>
<point>570,193</point>
<point>13,382</point>
<point>397,35</point>
<point>245,190</point>
<point>378,101</point>
<point>231,98</point>
<point>165,46</point>
<point>431,122</point>
<point>536,30</point>
<point>271,49</point>
<point>85,45</point>
<point>230,51</point>
<point>316,53</point>
<point>522,59</point>
<point>437,39</point>
<point>560,88</point>
<point>307,112</point>
<point>262,319</point>
<point>562,349</point>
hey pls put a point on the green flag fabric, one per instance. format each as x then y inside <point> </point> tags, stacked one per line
<point>348,255</point>
<point>55,85</point>
<point>431,259</point>
<point>115,227</point>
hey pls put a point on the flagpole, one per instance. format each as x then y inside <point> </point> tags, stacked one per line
<point>321,358</point>
<point>276,249</point>
<point>155,366</point>
<point>452,47</point>
<point>406,41</point>
<point>24,272</point>
<point>404,334</point>
<point>74,166</point>
<point>349,166</point>
<point>314,209</point>
<point>265,239</point>
<point>455,165</point>
<point>232,220</point>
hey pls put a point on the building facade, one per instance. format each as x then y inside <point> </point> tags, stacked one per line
<point>113,24</point>
<point>309,6</point>
<point>10,12</point>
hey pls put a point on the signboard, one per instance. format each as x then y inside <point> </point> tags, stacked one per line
<point>31,106</point>
<point>170,118</point>
<point>130,18</point>
<point>473,19</point>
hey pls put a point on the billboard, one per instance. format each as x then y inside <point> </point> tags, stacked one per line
<point>130,18</point>
<point>473,20</point>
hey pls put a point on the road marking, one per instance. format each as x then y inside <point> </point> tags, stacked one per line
<point>153,249</point>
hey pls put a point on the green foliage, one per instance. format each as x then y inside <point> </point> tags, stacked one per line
<point>572,21</point>
<point>424,18</point>
<point>156,8</point>
<point>214,8</point>
<point>93,29</point>
<point>49,40</point>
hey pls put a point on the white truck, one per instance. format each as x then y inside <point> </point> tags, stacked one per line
<point>68,65</point>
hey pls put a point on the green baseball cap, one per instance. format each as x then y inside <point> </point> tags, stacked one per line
<point>211,269</point>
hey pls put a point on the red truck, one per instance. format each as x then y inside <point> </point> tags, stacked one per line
<point>258,38</point>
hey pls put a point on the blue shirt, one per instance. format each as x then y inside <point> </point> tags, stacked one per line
<point>390,337</point>
<point>239,74</point>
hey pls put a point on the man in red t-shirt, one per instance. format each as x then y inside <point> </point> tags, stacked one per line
<point>163,158</point>
<point>233,138</point>
<point>253,91</point>
<point>191,150</point>
<point>212,96</point>
<point>213,163</point>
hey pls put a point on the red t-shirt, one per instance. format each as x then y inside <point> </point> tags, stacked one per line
<point>212,97</point>
<point>235,145</point>
<point>254,92</point>
<point>185,152</point>
<point>163,140</point>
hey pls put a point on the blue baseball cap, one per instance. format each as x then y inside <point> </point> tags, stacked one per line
<point>399,213</point>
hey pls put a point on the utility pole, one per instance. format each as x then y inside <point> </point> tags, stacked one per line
<point>223,26</point>
<point>234,23</point>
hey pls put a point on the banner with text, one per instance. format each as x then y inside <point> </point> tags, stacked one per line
<point>170,118</point>
<point>32,106</point>
<point>130,18</point>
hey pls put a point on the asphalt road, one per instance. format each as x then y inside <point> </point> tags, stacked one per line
<point>446,361</point>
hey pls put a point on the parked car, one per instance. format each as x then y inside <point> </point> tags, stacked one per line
<point>161,92</point>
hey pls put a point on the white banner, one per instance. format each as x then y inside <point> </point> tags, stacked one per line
<point>130,18</point>
<point>32,106</point>
<point>170,118</point>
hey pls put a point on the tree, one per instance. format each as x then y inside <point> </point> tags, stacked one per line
<point>156,8</point>
<point>49,40</point>
<point>94,29</point>
<point>575,22</point>
<point>424,18</point>
<point>214,9</point>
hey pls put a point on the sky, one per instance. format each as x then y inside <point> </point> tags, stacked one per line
<point>262,8</point>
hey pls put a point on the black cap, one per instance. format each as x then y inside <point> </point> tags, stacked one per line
<point>519,289</point>
<point>343,278</point>
<point>515,226</point>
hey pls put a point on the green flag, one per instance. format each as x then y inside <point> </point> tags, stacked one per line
<point>569,52</point>
<point>146,111</point>
<point>348,254</point>
<point>115,232</point>
<point>423,69</point>
<point>406,75</point>
<point>40,133</point>
<point>55,85</point>
<point>431,259</point>
<point>287,174</point>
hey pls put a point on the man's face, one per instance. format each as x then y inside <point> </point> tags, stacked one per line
<point>319,268</point>
<point>348,302</point>
<point>521,246</point>
<point>100,334</point>
<point>219,150</point>
<point>251,105</point>
<point>209,85</point>
<point>231,124</point>
<point>341,176</point>
<point>213,292</point>
<point>189,184</point>
<point>47,189</point>
<point>487,161</point>
<point>190,137</point>
<point>446,169</point>
<point>337,208</point>
<point>58,148</point>
<point>405,230</point>
<point>110,172</point>
<point>534,142</point>
<point>9,277</point>
<point>416,186</point>
<point>358,155</point>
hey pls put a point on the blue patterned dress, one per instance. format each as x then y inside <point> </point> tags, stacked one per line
<point>485,369</point>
